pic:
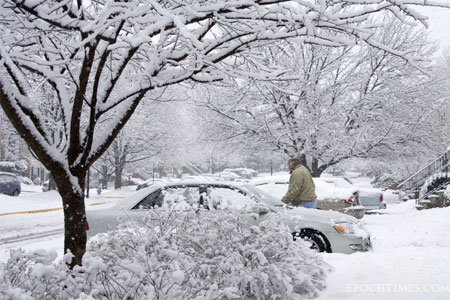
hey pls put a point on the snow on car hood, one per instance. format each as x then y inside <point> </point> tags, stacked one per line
<point>317,215</point>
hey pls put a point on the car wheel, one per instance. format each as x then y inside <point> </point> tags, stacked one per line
<point>318,242</point>
<point>16,193</point>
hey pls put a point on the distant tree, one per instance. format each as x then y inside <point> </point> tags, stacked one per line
<point>129,147</point>
<point>104,171</point>
<point>9,140</point>
<point>100,59</point>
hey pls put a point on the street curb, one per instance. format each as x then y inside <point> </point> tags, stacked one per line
<point>30,211</point>
<point>37,211</point>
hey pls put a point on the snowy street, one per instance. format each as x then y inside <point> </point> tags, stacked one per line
<point>17,224</point>
<point>409,259</point>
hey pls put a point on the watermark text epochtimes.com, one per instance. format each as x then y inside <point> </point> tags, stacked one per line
<point>398,288</point>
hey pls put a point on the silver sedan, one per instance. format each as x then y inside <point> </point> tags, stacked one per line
<point>327,231</point>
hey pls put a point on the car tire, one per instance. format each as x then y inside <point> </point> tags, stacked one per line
<point>16,193</point>
<point>318,242</point>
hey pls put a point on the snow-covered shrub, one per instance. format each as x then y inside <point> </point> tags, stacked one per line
<point>182,255</point>
<point>35,275</point>
<point>209,255</point>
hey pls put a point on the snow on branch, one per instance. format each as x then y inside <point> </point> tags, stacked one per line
<point>92,62</point>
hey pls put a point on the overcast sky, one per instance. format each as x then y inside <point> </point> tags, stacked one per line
<point>439,21</point>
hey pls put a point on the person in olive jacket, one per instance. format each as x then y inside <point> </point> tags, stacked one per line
<point>301,190</point>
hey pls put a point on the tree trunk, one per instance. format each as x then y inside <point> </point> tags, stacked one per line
<point>104,177</point>
<point>315,170</point>
<point>74,216</point>
<point>118,177</point>
<point>303,160</point>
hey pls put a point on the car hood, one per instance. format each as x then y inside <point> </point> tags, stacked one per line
<point>316,215</point>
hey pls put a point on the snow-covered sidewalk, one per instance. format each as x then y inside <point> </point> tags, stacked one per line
<point>410,258</point>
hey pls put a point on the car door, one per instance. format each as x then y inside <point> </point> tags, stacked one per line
<point>178,197</point>
<point>224,197</point>
<point>230,198</point>
<point>172,197</point>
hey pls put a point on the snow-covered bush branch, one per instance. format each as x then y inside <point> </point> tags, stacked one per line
<point>176,255</point>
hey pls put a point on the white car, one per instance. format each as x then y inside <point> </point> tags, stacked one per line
<point>228,176</point>
<point>243,172</point>
<point>327,231</point>
<point>370,198</point>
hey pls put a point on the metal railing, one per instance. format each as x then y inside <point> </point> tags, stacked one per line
<point>415,181</point>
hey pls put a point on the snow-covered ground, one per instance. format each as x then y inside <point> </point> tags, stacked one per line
<point>410,257</point>
<point>35,212</point>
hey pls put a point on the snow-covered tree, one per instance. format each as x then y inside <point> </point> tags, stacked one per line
<point>340,102</point>
<point>100,59</point>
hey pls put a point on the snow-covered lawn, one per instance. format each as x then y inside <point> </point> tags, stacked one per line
<point>410,257</point>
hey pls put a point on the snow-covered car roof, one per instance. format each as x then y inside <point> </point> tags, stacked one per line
<point>228,173</point>
<point>324,190</point>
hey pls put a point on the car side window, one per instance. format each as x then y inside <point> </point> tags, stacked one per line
<point>227,197</point>
<point>189,195</point>
<point>179,195</point>
<point>151,200</point>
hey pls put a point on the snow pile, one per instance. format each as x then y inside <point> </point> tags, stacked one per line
<point>175,255</point>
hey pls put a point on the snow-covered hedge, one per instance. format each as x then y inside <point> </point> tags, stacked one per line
<point>17,167</point>
<point>174,255</point>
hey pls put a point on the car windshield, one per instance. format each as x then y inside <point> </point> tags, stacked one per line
<point>263,196</point>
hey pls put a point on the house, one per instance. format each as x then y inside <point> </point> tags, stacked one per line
<point>15,155</point>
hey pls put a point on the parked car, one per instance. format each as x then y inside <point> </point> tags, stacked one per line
<point>243,172</point>
<point>9,184</point>
<point>370,198</point>
<point>197,177</point>
<point>329,197</point>
<point>327,231</point>
<point>25,180</point>
<point>228,176</point>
